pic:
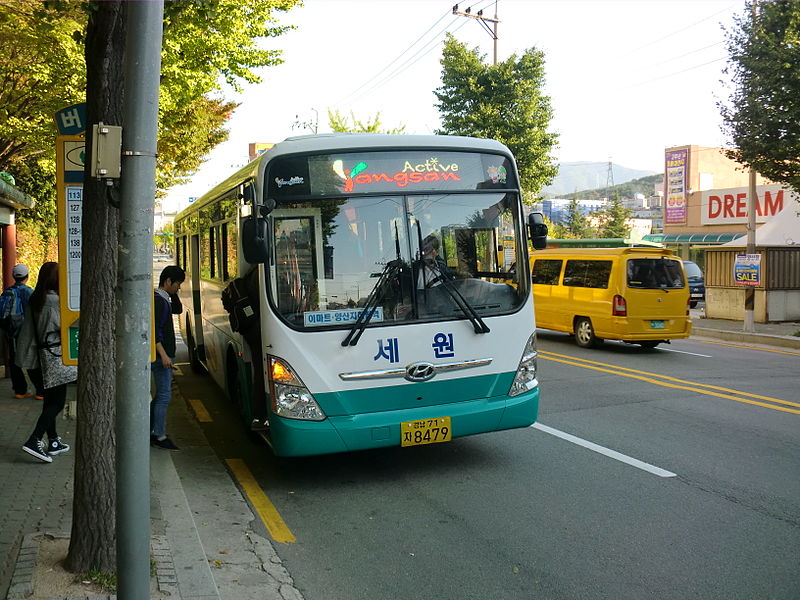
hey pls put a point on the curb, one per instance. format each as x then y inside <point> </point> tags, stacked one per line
<point>783,341</point>
<point>21,586</point>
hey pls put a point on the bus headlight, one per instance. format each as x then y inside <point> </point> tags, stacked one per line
<point>525,379</point>
<point>290,398</point>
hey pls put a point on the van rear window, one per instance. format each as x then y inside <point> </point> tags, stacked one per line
<point>546,271</point>
<point>587,273</point>
<point>655,273</point>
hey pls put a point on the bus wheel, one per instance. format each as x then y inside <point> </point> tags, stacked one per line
<point>649,344</point>
<point>194,362</point>
<point>584,333</point>
<point>232,383</point>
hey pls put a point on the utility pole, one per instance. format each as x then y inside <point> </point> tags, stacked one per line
<point>135,294</point>
<point>492,31</point>
<point>750,291</point>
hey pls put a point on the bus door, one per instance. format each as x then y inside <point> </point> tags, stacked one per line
<point>196,308</point>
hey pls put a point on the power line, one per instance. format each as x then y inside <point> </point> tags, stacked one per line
<point>398,57</point>
<point>422,52</point>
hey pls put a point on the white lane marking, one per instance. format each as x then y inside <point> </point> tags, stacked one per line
<point>606,451</point>
<point>684,352</point>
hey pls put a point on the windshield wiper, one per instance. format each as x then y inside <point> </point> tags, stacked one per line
<point>391,272</point>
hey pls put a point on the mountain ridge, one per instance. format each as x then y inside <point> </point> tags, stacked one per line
<point>589,175</point>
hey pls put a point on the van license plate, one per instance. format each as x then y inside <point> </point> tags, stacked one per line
<point>425,431</point>
<point>656,324</point>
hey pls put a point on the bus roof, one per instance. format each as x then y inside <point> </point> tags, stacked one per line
<point>349,142</point>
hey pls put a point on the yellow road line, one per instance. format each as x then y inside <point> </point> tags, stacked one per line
<point>650,378</point>
<point>200,412</point>
<point>261,503</point>
<point>749,347</point>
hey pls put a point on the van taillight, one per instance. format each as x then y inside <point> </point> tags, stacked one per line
<point>620,307</point>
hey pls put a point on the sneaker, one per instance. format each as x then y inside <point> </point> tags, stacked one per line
<point>20,396</point>
<point>37,448</point>
<point>56,446</point>
<point>165,444</point>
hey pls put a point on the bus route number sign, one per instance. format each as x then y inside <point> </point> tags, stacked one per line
<point>425,431</point>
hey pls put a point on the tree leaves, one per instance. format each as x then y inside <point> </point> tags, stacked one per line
<point>762,117</point>
<point>505,102</point>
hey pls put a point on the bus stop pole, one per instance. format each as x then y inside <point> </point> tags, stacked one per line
<point>135,296</point>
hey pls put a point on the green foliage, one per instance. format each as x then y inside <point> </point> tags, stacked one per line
<point>576,223</point>
<point>39,177</point>
<point>341,123</point>
<point>107,581</point>
<point>763,115</point>
<point>614,220</point>
<point>204,40</point>
<point>41,71</point>
<point>505,102</point>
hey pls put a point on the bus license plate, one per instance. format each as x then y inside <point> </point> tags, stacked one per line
<point>656,324</point>
<point>425,431</point>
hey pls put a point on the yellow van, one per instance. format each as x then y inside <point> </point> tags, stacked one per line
<point>637,295</point>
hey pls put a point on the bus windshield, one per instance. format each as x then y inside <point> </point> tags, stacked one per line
<point>413,258</point>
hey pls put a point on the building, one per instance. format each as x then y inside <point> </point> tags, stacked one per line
<point>706,199</point>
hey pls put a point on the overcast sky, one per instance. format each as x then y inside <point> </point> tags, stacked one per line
<point>626,78</point>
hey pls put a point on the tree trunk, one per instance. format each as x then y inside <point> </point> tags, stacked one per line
<point>92,541</point>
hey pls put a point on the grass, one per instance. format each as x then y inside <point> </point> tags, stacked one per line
<point>108,581</point>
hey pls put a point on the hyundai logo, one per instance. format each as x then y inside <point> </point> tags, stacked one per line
<point>421,371</point>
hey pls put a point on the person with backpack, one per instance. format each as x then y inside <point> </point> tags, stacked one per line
<point>39,346</point>
<point>13,303</point>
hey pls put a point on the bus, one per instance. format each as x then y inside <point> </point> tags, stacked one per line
<point>359,291</point>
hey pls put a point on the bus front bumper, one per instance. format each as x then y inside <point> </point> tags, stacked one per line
<point>366,431</point>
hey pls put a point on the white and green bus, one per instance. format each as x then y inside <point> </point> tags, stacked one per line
<point>378,291</point>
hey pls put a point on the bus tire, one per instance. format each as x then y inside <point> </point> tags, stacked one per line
<point>584,333</point>
<point>194,361</point>
<point>233,387</point>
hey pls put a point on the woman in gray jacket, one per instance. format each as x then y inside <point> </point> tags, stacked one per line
<point>39,346</point>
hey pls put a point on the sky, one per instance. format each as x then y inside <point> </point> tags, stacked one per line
<point>626,78</point>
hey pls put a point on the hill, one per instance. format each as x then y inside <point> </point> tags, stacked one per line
<point>577,176</point>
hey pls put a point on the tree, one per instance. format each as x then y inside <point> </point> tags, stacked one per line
<point>196,42</point>
<point>614,220</point>
<point>576,223</point>
<point>763,114</point>
<point>341,123</point>
<point>41,71</point>
<point>505,102</point>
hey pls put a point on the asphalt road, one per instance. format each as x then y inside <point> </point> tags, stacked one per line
<point>702,499</point>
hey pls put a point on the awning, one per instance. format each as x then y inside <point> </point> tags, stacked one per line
<point>691,238</point>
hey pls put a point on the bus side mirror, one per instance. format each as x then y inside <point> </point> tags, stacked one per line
<point>537,231</point>
<point>255,240</point>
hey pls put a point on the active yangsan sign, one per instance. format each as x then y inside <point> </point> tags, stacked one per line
<point>719,207</point>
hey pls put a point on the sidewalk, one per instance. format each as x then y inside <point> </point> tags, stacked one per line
<point>203,536</point>
<point>770,334</point>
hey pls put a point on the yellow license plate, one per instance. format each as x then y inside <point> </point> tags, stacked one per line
<point>425,431</point>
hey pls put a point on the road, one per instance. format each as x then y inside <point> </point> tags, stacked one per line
<point>680,481</point>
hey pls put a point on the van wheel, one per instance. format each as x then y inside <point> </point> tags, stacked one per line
<point>692,303</point>
<point>649,344</point>
<point>584,333</point>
